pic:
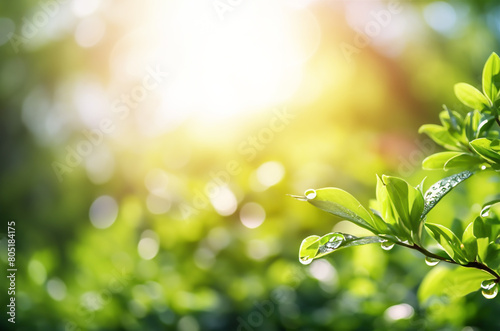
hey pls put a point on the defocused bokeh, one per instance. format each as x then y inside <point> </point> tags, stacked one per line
<point>148,149</point>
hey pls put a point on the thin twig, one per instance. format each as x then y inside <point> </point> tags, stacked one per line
<point>474,264</point>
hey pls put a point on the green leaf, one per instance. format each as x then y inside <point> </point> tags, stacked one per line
<point>388,212</point>
<point>408,203</point>
<point>487,149</point>
<point>420,186</point>
<point>340,203</point>
<point>470,96</point>
<point>398,193</point>
<point>493,256</point>
<point>484,127</point>
<point>384,202</point>
<point>453,283</point>
<point>314,247</point>
<point>448,240</point>
<point>482,233</point>
<point>308,249</point>
<point>451,119</point>
<point>471,125</point>
<point>470,242</point>
<point>487,206</point>
<point>438,160</point>
<point>441,136</point>
<point>416,211</point>
<point>491,77</point>
<point>439,189</point>
<point>464,161</point>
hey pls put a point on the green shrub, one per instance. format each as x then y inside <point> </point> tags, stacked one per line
<point>398,214</point>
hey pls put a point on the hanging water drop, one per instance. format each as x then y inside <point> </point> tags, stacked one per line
<point>387,245</point>
<point>430,261</point>
<point>488,284</point>
<point>305,260</point>
<point>310,194</point>
<point>489,288</point>
<point>490,294</point>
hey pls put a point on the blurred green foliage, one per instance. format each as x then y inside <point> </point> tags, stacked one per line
<point>130,240</point>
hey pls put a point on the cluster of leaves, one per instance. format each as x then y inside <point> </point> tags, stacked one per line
<point>398,215</point>
<point>471,140</point>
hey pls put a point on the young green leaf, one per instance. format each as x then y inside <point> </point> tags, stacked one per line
<point>441,136</point>
<point>482,233</point>
<point>308,249</point>
<point>470,242</point>
<point>491,77</point>
<point>448,240</point>
<point>389,214</point>
<point>416,210</point>
<point>451,119</point>
<point>487,149</point>
<point>314,247</point>
<point>398,193</point>
<point>464,161</point>
<point>471,97</point>
<point>384,202</point>
<point>438,160</point>
<point>438,190</point>
<point>340,203</point>
<point>453,283</point>
<point>471,125</point>
<point>483,130</point>
<point>493,256</point>
<point>485,211</point>
<point>408,203</point>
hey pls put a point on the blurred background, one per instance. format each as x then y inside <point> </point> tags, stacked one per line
<point>148,149</point>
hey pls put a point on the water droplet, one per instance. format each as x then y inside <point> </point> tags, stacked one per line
<point>310,194</point>
<point>488,284</point>
<point>483,167</point>
<point>491,293</point>
<point>431,261</point>
<point>441,188</point>
<point>334,243</point>
<point>305,260</point>
<point>489,288</point>
<point>387,245</point>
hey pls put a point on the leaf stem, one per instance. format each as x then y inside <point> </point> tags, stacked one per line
<point>474,264</point>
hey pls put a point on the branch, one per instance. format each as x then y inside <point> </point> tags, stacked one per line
<point>474,264</point>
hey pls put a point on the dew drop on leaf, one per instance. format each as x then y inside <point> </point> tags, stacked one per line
<point>310,194</point>
<point>488,284</point>
<point>437,191</point>
<point>334,243</point>
<point>387,245</point>
<point>431,261</point>
<point>305,260</point>
<point>491,293</point>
